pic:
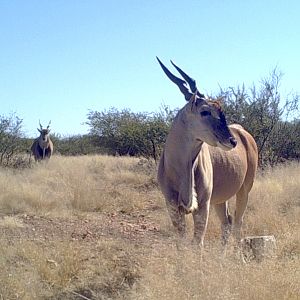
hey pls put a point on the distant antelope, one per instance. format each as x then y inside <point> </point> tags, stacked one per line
<point>205,162</point>
<point>42,147</point>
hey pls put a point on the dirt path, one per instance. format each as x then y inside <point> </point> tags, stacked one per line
<point>77,228</point>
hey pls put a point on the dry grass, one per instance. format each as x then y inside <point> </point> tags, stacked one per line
<point>96,227</point>
<point>10,222</point>
<point>173,274</point>
<point>93,183</point>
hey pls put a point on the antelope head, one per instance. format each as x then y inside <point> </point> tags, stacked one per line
<point>44,132</point>
<point>203,117</point>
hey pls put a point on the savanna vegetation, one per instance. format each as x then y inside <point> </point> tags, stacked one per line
<point>96,227</point>
<point>91,223</point>
<point>272,119</point>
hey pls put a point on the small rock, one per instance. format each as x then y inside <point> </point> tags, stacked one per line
<point>258,247</point>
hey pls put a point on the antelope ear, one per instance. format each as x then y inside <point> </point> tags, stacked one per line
<point>192,102</point>
<point>39,130</point>
<point>193,98</point>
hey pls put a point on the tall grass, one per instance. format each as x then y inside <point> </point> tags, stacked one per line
<point>91,183</point>
<point>152,265</point>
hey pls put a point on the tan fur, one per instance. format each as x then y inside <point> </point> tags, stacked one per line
<point>192,170</point>
<point>204,162</point>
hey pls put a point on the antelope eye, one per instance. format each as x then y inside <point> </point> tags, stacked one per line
<point>205,113</point>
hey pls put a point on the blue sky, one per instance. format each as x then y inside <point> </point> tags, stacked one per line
<point>60,59</point>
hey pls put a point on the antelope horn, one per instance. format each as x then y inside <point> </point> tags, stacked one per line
<point>191,82</point>
<point>179,82</point>
<point>40,125</point>
<point>49,124</point>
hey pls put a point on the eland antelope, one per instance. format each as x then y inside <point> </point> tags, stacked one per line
<point>205,162</point>
<point>42,146</point>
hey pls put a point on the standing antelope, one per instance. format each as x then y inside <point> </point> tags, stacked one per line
<point>42,146</point>
<point>205,162</point>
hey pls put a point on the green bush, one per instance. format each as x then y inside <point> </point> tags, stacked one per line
<point>267,116</point>
<point>127,133</point>
<point>12,144</point>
